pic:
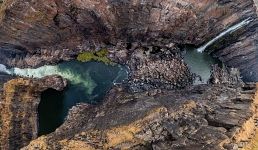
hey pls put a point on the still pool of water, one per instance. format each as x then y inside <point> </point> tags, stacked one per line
<point>88,83</point>
<point>200,64</point>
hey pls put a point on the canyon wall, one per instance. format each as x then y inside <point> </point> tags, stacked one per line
<point>39,32</point>
<point>19,100</point>
<point>146,36</point>
<point>217,117</point>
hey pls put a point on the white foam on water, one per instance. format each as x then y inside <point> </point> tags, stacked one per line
<point>229,30</point>
<point>3,69</point>
<point>74,78</point>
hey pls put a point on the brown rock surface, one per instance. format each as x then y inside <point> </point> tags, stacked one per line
<point>161,68</point>
<point>18,109</point>
<point>34,33</point>
<point>48,31</point>
<point>206,116</point>
<point>224,75</point>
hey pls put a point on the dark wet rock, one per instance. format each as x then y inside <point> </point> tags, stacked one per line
<point>11,54</point>
<point>4,78</point>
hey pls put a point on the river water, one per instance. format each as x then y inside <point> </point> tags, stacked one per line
<point>89,83</point>
<point>199,64</point>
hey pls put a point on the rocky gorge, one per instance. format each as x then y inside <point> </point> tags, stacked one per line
<point>158,107</point>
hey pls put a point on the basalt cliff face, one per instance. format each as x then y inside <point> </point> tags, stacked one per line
<point>211,117</point>
<point>34,33</point>
<point>158,108</point>
<point>19,102</point>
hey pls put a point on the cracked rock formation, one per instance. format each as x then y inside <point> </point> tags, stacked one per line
<point>214,117</point>
<point>145,35</point>
<point>160,68</point>
<point>48,31</point>
<point>19,109</point>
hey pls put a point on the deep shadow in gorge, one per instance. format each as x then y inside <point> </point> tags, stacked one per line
<point>50,111</point>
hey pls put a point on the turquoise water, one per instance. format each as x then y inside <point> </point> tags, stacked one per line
<point>200,64</point>
<point>88,83</point>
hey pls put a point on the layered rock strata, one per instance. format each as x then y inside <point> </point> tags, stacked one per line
<point>48,31</point>
<point>145,35</point>
<point>207,116</point>
<point>19,109</point>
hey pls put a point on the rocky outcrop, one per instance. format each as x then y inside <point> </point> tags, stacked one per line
<point>225,75</point>
<point>156,67</point>
<point>52,30</point>
<point>146,36</point>
<point>211,117</point>
<point>18,109</point>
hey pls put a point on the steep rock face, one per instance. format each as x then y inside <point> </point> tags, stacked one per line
<point>211,117</point>
<point>18,109</point>
<point>48,31</point>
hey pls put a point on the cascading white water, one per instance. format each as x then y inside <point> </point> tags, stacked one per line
<point>229,30</point>
<point>78,74</point>
<point>73,77</point>
<point>3,69</point>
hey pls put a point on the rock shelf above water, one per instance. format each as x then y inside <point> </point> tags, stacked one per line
<point>19,100</point>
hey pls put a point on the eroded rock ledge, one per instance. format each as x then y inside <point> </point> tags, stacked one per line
<point>207,116</point>
<point>19,109</point>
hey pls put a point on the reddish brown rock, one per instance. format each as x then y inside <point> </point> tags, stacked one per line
<point>48,31</point>
<point>212,117</point>
<point>19,109</point>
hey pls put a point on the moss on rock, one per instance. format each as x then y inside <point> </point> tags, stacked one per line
<point>100,56</point>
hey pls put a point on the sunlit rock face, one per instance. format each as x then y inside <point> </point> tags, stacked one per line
<point>49,31</point>
<point>209,116</point>
<point>18,109</point>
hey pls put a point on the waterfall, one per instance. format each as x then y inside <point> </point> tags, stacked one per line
<point>229,30</point>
